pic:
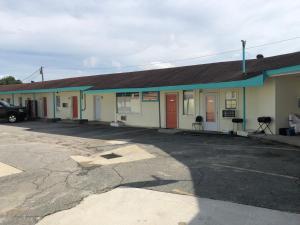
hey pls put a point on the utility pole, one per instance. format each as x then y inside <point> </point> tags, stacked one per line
<point>42,73</point>
<point>244,56</point>
<point>244,88</point>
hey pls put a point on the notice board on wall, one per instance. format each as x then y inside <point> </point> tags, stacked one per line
<point>150,96</point>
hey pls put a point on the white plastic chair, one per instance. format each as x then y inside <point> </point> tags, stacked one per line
<point>294,122</point>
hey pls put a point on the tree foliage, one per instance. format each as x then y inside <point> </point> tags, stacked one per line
<point>9,80</point>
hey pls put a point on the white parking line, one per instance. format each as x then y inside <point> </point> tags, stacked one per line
<point>256,171</point>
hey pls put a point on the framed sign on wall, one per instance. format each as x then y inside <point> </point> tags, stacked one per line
<point>150,96</point>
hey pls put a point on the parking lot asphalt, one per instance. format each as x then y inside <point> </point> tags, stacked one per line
<point>221,167</point>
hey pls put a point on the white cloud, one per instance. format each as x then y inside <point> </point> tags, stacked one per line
<point>90,62</point>
<point>67,36</point>
<point>157,65</point>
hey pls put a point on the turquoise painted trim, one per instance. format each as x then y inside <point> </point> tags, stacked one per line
<point>54,105</point>
<point>79,88</point>
<point>290,69</point>
<point>244,57</point>
<point>80,105</point>
<point>251,82</point>
<point>244,108</point>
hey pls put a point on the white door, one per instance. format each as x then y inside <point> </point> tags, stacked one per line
<point>211,111</point>
<point>97,105</point>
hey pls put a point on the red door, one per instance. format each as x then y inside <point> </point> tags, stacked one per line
<point>171,110</point>
<point>45,107</point>
<point>75,106</point>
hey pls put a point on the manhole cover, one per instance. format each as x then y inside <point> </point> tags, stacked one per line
<point>111,156</point>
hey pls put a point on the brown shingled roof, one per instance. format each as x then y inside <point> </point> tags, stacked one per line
<point>195,74</point>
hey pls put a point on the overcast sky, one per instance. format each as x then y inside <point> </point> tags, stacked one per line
<point>84,37</point>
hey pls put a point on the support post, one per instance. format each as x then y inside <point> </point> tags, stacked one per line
<point>159,115</point>
<point>244,88</point>
<point>54,105</point>
<point>80,105</point>
<point>244,108</point>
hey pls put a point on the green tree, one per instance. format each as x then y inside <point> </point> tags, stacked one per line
<point>9,80</point>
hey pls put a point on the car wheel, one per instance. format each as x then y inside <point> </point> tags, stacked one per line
<point>12,118</point>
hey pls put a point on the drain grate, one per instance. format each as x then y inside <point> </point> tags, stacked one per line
<point>111,156</point>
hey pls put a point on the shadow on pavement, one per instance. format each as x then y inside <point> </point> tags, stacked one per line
<point>227,168</point>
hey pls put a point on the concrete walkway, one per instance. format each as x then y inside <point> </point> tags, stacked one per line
<point>290,140</point>
<point>132,206</point>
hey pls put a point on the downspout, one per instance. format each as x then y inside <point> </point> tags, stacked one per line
<point>84,101</point>
<point>244,88</point>
<point>159,116</point>
<point>54,105</point>
<point>80,105</point>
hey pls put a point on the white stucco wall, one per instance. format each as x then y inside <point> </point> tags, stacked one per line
<point>225,124</point>
<point>287,95</point>
<point>5,97</point>
<point>107,107</point>
<point>67,112</point>
<point>39,97</point>
<point>260,101</point>
<point>148,116</point>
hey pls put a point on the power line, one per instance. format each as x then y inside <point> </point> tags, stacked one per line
<point>206,55</point>
<point>273,43</point>
<point>189,58</point>
<point>26,78</point>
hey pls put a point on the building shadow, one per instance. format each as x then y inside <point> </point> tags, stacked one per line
<point>222,167</point>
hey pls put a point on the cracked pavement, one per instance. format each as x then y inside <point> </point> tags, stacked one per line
<point>213,166</point>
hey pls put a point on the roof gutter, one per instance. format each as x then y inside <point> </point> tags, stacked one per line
<point>79,88</point>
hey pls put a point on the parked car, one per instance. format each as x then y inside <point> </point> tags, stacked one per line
<point>12,113</point>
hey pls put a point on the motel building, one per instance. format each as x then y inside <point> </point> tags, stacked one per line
<point>173,97</point>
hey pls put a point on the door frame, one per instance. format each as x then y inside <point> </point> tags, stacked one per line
<point>95,109</point>
<point>216,94</point>
<point>177,109</point>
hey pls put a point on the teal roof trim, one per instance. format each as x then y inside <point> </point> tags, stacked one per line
<point>254,81</point>
<point>284,70</point>
<point>80,88</point>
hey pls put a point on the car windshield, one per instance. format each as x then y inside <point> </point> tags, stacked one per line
<point>5,103</point>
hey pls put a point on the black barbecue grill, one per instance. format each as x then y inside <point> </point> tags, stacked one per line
<point>264,124</point>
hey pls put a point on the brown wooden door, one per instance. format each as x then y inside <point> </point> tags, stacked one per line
<point>171,110</point>
<point>75,106</point>
<point>45,107</point>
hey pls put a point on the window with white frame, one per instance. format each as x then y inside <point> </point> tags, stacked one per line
<point>128,102</point>
<point>188,103</point>
<point>231,100</point>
